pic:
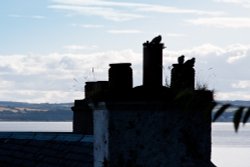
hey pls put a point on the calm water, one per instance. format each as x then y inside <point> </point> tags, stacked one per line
<point>36,126</point>
<point>229,149</point>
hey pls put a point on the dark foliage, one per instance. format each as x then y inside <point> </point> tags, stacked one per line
<point>241,114</point>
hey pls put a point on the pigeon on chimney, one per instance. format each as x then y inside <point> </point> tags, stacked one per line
<point>156,40</point>
<point>190,62</point>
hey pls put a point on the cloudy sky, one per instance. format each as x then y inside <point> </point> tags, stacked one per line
<point>49,48</point>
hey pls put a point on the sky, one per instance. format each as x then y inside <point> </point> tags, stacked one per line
<point>50,48</point>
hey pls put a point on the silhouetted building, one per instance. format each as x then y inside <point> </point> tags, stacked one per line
<point>149,125</point>
<point>118,125</point>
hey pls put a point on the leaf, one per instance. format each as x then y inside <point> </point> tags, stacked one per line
<point>237,118</point>
<point>220,111</point>
<point>246,116</point>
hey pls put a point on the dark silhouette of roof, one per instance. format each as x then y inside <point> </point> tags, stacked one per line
<point>45,149</point>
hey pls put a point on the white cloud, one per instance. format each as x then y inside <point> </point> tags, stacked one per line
<point>37,96</point>
<point>238,55</point>
<point>218,68</point>
<point>174,10</point>
<point>231,1</point>
<point>229,55</point>
<point>105,12</point>
<point>241,84</point>
<point>5,84</point>
<point>37,17</point>
<point>239,95</point>
<point>237,52</point>
<point>175,35</point>
<point>206,50</point>
<point>91,26</point>
<point>60,77</point>
<point>29,17</point>
<point>56,77</point>
<point>80,47</point>
<point>122,11</point>
<point>222,22</point>
<point>244,3</point>
<point>125,31</point>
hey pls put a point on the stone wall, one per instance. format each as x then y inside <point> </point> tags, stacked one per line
<point>153,133</point>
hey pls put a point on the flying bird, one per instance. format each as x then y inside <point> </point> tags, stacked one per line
<point>156,40</point>
<point>181,59</point>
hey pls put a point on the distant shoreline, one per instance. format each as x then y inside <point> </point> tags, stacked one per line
<point>61,112</point>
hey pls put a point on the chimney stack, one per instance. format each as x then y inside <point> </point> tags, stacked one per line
<point>152,63</point>
<point>183,74</point>
<point>120,77</point>
<point>82,113</point>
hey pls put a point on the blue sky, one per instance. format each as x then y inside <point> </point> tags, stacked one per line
<point>48,48</point>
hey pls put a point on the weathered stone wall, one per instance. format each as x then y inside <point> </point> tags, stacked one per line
<point>101,132</point>
<point>152,134</point>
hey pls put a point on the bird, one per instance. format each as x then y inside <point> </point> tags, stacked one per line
<point>181,59</point>
<point>156,40</point>
<point>190,62</point>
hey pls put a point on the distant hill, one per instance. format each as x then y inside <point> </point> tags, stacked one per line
<point>18,111</point>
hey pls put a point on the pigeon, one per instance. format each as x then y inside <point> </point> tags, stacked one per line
<point>190,62</point>
<point>181,59</point>
<point>156,40</point>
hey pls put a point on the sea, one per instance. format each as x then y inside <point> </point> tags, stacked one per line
<point>229,149</point>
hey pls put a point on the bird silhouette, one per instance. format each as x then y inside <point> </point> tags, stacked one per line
<point>156,40</point>
<point>181,59</point>
<point>190,62</point>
